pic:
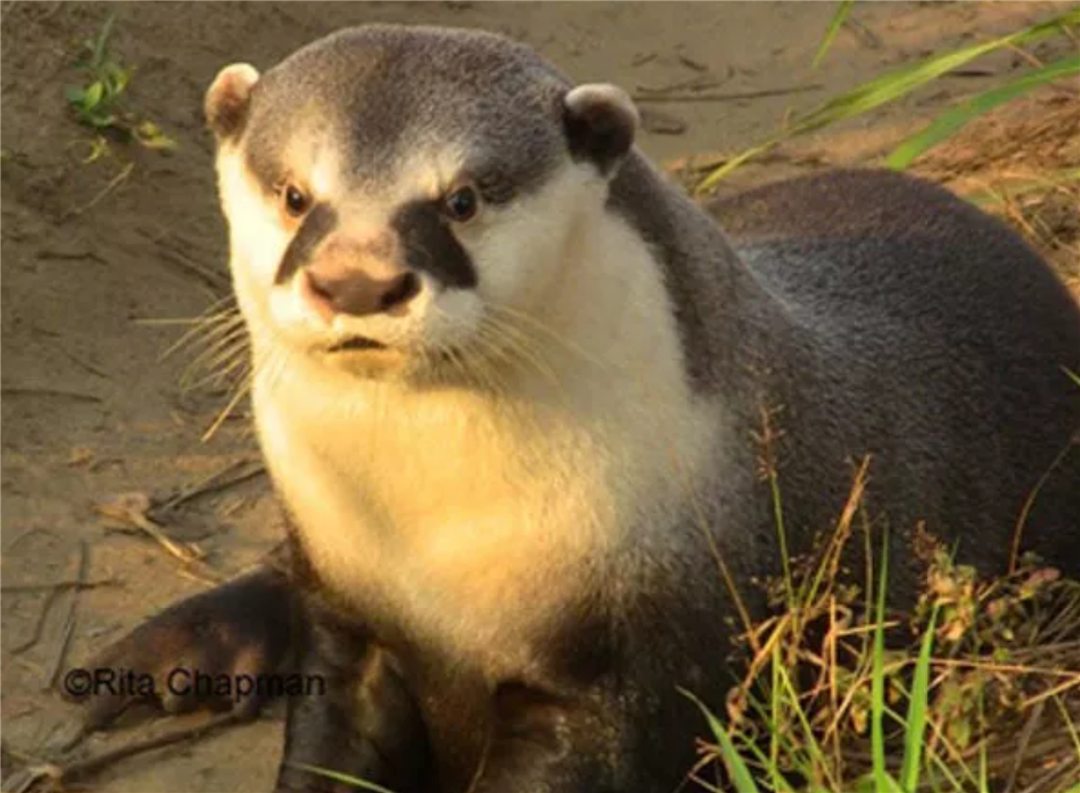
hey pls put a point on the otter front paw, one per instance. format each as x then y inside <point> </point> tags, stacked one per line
<point>222,649</point>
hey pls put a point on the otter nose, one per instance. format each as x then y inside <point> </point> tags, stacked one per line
<point>357,293</point>
<point>357,274</point>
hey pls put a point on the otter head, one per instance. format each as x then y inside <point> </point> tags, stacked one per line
<point>392,192</point>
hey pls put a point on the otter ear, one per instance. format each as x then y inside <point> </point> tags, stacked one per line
<point>600,123</point>
<point>228,99</point>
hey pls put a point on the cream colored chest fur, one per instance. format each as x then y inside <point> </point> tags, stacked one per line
<point>471,518</point>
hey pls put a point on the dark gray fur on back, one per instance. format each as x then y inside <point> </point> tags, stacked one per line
<point>870,314</point>
<point>929,335</point>
<point>881,316</point>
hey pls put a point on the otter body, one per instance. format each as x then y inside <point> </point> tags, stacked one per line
<point>510,385</point>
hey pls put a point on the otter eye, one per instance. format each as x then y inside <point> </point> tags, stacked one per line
<point>296,203</point>
<point>461,204</point>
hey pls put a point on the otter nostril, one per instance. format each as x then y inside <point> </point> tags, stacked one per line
<point>320,287</point>
<point>403,290</point>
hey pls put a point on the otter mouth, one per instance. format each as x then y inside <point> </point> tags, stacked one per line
<point>354,343</point>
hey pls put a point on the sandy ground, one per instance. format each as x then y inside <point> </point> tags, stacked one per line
<point>95,255</point>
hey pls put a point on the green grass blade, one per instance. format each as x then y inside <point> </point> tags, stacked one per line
<point>948,123</point>
<point>984,765</point>
<point>1072,376</point>
<point>890,87</point>
<point>918,703</point>
<point>359,784</point>
<point>900,82</point>
<point>719,173</point>
<point>776,777</point>
<point>776,701</point>
<point>1017,188</point>
<point>1067,720</point>
<point>816,759</point>
<point>781,533</point>
<point>736,766</point>
<point>837,22</point>
<point>101,43</point>
<point>115,77</point>
<point>100,122</point>
<point>883,782</point>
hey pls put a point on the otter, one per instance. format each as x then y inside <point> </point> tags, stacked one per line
<point>509,384</point>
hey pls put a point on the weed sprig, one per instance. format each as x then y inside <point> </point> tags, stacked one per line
<point>98,102</point>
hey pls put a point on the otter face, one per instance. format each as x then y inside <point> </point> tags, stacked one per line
<point>392,192</point>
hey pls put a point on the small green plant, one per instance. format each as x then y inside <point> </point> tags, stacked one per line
<point>98,102</point>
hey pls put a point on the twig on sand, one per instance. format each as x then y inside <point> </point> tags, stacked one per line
<point>67,584</point>
<point>76,395</point>
<point>92,764</point>
<point>864,34</point>
<point>113,183</point>
<point>660,123</point>
<point>39,626</point>
<point>54,593</point>
<point>62,772</point>
<point>217,282</point>
<point>49,253</point>
<point>690,63</point>
<point>206,579</point>
<point>240,470</point>
<point>84,365</point>
<point>69,620</point>
<point>123,509</point>
<point>699,83</point>
<point>172,250</point>
<point>54,589</point>
<point>24,535</point>
<point>726,97</point>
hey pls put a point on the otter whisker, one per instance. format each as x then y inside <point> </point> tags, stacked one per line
<point>219,358</point>
<point>208,324</point>
<point>567,344</point>
<point>525,347</point>
<point>239,367</point>
<point>241,392</point>
<point>221,353</point>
